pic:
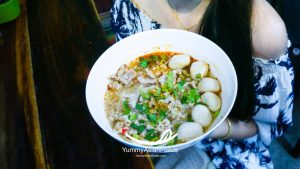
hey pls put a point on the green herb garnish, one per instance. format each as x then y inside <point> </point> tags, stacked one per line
<point>165,87</point>
<point>184,97</point>
<point>179,88</point>
<point>180,85</point>
<point>162,111</point>
<point>126,108</point>
<point>145,96</point>
<point>150,135</point>
<point>193,96</point>
<point>153,123</point>
<point>139,107</point>
<point>152,117</point>
<point>162,115</point>
<point>143,63</point>
<point>150,131</point>
<point>175,92</point>
<point>155,57</point>
<point>133,126</point>
<point>170,79</point>
<point>133,117</point>
<point>141,128</point>
<point>146,108</point>
<point>198,76</point>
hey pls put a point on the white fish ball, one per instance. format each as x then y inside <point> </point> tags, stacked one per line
<point>201,115</point>
<point>208,84</point>
<point>179,61</point>
<point>211,100</point>
<point>199,70</point>
<point>189,130</point>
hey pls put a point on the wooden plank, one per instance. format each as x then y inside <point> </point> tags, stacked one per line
<point>15,147</point>
<point>26,88</point>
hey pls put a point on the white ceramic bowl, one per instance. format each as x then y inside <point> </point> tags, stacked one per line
<point>139,44</point>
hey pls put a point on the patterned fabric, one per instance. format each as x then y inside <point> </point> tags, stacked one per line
<point>274,98</point>
<point>127,19</point>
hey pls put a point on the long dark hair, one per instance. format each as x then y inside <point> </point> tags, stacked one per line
<point>228,24</point>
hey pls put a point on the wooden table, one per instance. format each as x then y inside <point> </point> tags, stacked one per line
<point>44,63</point>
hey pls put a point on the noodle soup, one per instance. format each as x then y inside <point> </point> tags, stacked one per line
<point>160,91</point>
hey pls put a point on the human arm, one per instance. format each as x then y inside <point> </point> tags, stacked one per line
<point>269,35</point>
<point>239,129</point>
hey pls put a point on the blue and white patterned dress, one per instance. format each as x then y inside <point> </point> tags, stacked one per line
<point>273,106</point>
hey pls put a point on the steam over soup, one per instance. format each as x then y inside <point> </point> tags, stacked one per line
<point>160,91</point>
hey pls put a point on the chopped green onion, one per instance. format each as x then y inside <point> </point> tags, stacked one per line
<point>142,121</point>
<point>162,114</point>
<point>143,64</point>
<point>145,96</point>
<point>152,117</point>
<point>150,131</point>
<point>153,123</point>
<point>133,117</point>
<point>181,84</point>
<point>126,107</point>
<point>146,108</point>
<point>183,99</point>
<point>150,135</point>
<point>145,61</point>
<point>175,92</point>
<point>139,107</point>
<point>165,88</point>
<point>190,119</point>
<point>160,118</point>
<point>133,126</point>
<point>198,76</point>
<point>162,111</point>
<point>155,57</point>
<point>141,128</point>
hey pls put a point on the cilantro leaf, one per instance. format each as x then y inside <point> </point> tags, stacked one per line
<point>193,96</point>
<point>181,84</point>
